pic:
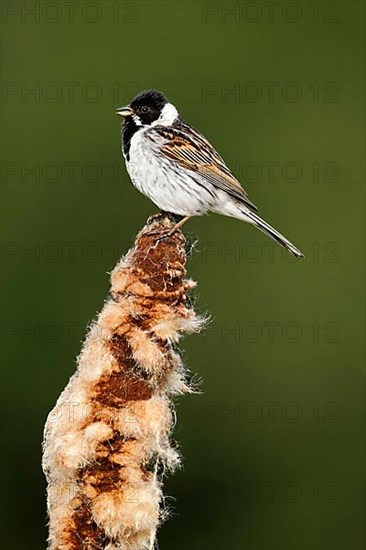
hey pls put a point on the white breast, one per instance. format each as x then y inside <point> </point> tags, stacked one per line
<point>170,187</point>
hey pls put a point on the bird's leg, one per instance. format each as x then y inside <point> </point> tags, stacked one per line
<point>179,225</point>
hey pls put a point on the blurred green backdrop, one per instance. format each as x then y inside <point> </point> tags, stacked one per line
<point>273,448</point>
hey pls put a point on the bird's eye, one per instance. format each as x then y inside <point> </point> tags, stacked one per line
<point>144,109</point>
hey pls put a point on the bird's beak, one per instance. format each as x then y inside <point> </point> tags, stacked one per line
<point>124,111</point>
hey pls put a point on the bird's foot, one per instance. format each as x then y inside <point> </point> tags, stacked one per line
<point>161,235</point>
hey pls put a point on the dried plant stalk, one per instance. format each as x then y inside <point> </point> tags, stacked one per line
<point>107,441</point>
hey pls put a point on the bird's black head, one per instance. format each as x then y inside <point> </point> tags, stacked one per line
<point>145,108</point>
<point>148,105</point>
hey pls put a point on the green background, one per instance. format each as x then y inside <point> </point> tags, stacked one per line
<point>285,336</point>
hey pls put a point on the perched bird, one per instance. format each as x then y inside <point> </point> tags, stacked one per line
<point>179,170</point>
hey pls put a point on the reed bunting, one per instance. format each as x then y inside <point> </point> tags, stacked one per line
<point>179,170</point>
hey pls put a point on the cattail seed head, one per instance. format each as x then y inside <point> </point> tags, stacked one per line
<point>107,440</point>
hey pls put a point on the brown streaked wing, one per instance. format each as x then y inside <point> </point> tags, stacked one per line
<point>192,151</point>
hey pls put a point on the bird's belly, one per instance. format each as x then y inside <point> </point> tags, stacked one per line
<point>171,188</point>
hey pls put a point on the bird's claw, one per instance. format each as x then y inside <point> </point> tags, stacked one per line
<point>161,235</point>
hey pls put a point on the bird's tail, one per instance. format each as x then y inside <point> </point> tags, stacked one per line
<point>269,230</point>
